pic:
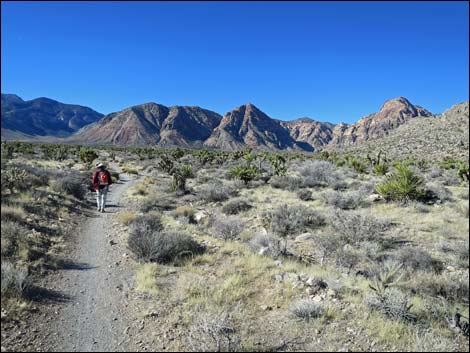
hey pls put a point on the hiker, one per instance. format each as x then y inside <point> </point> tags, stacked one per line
<point>101,181</point>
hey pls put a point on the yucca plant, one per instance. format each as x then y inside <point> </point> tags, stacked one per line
<point>380,169</point>
<point>180,175</point>
<point>245,173</point>
<point>402,185</point>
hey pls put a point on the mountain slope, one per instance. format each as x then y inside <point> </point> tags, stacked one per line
<point>43,117</point>
<point>151,124</point>
<point>394,112</point>
<point>309,132</point>
<point>433,138</point>
<point>247,126</point>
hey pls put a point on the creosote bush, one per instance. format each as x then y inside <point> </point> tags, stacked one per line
<point>354,228</point>
<point>70,185</point>
<point>227,228</point>
<point>344,201</point>
<point>216,192</point>
<point>318,173</point>
<point>162,246</point>
<point>15,280</point>
<point>236,206</point>
<point>291,220</point>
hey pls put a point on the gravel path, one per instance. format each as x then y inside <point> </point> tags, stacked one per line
<point>94,320</point>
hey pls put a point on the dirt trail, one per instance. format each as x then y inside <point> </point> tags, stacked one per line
<point>94,319</point>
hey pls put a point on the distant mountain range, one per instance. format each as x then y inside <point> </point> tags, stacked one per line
<point>194,127</point>
<point>42,117</point>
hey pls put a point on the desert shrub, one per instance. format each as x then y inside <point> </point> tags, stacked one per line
<point>227,228</point>
<point>451,286</point>
<point>185,212</point>
<point>318,173</point>
<point>213,333</point>
<point>266,244</point>
<point>393,303</point>
<point>87,155</point>
<point>15,280</point>
<point>439,192</point>
<point>354,228</point>
<point>306,309</point>
<point>463,172</point>
<point>402,185</point>
<point>386,298</point>
<point>305,195</point>
<point>380,169</point>
<point>13,233</point>
<point>129,170</point>
<point>357,165</point>
<point>161,246</point>
<point>13,213</point>
<point>127,217</point>
<point>216,192</point>
<point>286,182</point>
<point>290,220</point>
<point>463,209</point>
<point>416,259</point>
<point>70,185</point>
<point>245,173</point>
<point>154,202</point>
<point>147,223</point>
<point>344,201</point>
<point>236,206</point>
<point>434,342</point>
<point>14,178</point>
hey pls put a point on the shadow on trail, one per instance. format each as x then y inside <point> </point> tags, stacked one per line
<point>48,296</point>
<point>65,264</point>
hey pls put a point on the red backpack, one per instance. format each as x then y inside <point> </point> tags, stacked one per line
<point>103,177</point>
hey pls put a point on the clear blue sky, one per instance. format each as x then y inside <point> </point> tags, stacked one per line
<point>331,61</point>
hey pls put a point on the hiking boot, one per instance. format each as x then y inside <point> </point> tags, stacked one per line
<point>102,210</point>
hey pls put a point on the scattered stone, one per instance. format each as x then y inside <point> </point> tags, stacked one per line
<point>264,251</point>
<point>266,308</point>
<point>278,263</point>
<point>450,268</point>
<point>279,278</point>
<point>303,237</point>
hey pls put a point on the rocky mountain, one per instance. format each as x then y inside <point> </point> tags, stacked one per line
<point>249,126</point>
<point>151,124</point>
<point>42,117</point>
<point>433,138</point>
<point>195,127</point>
<point>311,134</point>
<point>394,112</point>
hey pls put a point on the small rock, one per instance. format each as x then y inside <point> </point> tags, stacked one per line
<point>266,307</point>
<point>375,198</point>
<point>278,263</point>
<point>264,251</point>
<point>450,268</point>
<point>279,278</point>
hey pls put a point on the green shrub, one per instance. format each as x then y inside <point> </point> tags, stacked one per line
<point>402,185</point>
<point>380,169</point>
<point>244,173</point>
<point>87,155</point>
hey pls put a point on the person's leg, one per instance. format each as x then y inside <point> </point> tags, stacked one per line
<point>98,199</point>
<point>105,194</point>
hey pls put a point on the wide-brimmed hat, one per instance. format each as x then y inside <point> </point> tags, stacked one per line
<point>99,164</point>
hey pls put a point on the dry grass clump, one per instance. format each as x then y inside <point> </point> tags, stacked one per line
<point>306,309</point>
<point>126,217</point>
